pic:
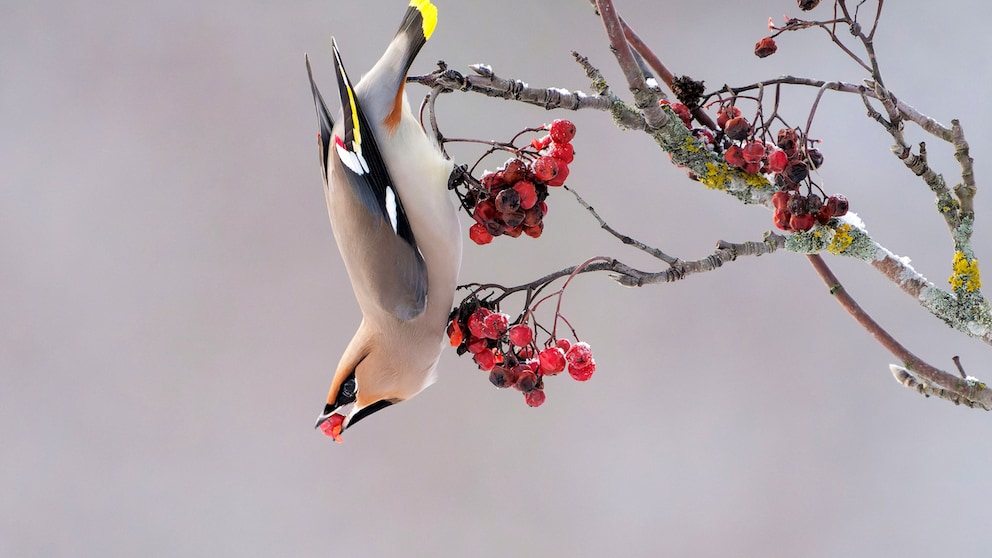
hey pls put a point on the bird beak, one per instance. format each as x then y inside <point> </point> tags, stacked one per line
<point>332,424</point>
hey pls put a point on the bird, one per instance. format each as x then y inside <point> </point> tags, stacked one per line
<point>396,227</point>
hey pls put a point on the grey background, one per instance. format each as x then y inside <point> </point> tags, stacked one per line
<point>173,304</point>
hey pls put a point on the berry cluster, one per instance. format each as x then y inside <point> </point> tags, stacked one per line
<point>798,212</point>
<point>512,198</point>
<point>510,353</point>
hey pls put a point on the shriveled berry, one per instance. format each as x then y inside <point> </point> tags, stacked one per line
<point>559,179</point>
<point>516,170</point>
<point>535,398</point>
<point>765,47</point>
<point>807,5</point>
<point>754,151</point>
<point>528,194</point>
<point>838,205</point>
<point>545,168</point>
<point>797,205</point>
<point>514,232</point>
<point>495,325</point>
<point>552,361</point>
<point>777,161</point>
<point>788,140</point>
<point>513,219</point>
<point>562,131</point>
<point>723,114</point>
<point>479,234</point>
<point>507,201</point>
<point>533,216</point>
<point>485,359</point>
<point>815,158</point>
<point>526,381</point>
<point>495,227</point>
<point>564,152</point>
<point>521,335</point>
<point>501,377</point>
<point>796,171</point>
<point>813,203</point>
<point>734,156</point>
<point>802,222</point>
<point>737,128</point>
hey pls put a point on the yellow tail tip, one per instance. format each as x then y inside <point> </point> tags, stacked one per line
<point>428,12</point>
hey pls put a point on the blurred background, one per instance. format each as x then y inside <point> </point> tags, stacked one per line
<point>173,304</point>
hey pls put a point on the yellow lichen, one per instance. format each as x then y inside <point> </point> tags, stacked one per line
<point>717,176</point>
<point>691,145</point>
<point>842,239</point>
<point>966,275</point>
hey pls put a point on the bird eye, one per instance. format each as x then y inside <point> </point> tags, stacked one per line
<point>348,387</point>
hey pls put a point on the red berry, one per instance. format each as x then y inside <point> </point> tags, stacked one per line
<point>534,231</point>
<point>455,334</point>
<point>765,47</point>
<point>824,215</point>
<point>777,161</point>
<point>563,152</point>
<point>540,143</point>
<point>802,222</point>
<point>526,381</point>
<point>562,131</point>
<point>476,344</point>
<point>491,180</point>
<point>535,398</point>
<point>734,156</point>
<point>545,168</point>
<point>683,113</point>
<point>479,234</point>
<point>559,178</point>
<point>475,320</point>
<point>495,325</point>
<point>723,114</point>
<point>582,373</point>
<point>752,168</point>
<point>737,128</point>
<point>528,194</point>
<point>563,344</point>
<point>579,355</point>
<point>782,218</point>
<point>521,335</point>
<point>485,359</point>
<point>780,199</point>
<point>484,212</point>
<point>332,426</point>
<point>552,361</point>
<point>754,151</point>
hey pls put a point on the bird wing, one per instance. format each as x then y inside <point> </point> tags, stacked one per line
<point>397,265</point>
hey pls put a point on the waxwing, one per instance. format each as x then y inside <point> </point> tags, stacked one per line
<point>386,184</point>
